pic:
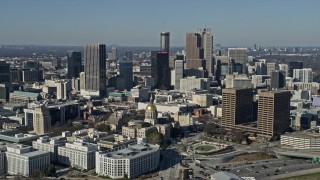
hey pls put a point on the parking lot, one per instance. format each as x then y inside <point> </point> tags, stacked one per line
<point>268,168</point>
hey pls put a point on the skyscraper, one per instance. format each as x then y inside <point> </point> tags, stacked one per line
<point>114,53</point>
<point>41,120</point>
<point>207,43</point>
<point>74,64</point>
<point>179,68</point>
<point>239,55</point>
<point>165,41</point>
<point>295,65</point>
<point>273,113</point>
<point>236,106</point>
<point>160,71</point>
<point>4,72</point>
<point>271,66</point>
<point>95,68</point>
<point>194,51</point>
<point>278,79</point>
<point>126,71</point>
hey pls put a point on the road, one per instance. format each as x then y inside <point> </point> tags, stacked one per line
<point>169,168</point>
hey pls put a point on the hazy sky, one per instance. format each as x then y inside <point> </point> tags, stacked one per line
<point>139,22</point>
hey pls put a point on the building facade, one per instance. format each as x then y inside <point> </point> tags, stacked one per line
<point>134,161</point>
<point>95,68</point>
<point>49,145</point>
<point>80,155</point>
<point>160,71</point>
<point>41,120</point>
<point>74,64</point>
<point>304,75</point>
<point>236,107</point>
<point>165,41</point>
<point>273,113</point>
<point>126,71</point>
<point>22,160</point>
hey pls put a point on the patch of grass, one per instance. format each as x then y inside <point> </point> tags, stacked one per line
<point>314,176</point>
<point>205,148</point>
<point>251,157</point>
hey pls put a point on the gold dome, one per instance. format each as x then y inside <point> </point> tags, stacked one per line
<point>151,107</point>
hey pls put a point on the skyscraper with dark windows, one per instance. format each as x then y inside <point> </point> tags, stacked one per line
<point>126,71</point>
<point>165,41</point>
<point>74,64</point>
<point>278,79</point>
<point>160,71</point>
<point>95,68</point>
<point>4,72</point>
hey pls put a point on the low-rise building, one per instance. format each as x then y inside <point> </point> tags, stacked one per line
<point>50,145</point>
<point>203,100</point>
<point>80,155</point>
<point>132,162</point>
<point>301,140</point>
<point>23,98</point>
<point>22,160</point>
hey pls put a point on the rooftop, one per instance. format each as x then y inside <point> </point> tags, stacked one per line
<point>303,134</point>
<point>132,151</point>
<point>26,94</point>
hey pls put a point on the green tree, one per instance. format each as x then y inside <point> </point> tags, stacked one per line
<point>49,171</point>
<point>103,127</point>
<point>210,128</point>
<point>154,137</point>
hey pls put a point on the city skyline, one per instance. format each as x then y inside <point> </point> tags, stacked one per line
<point>233,23</point>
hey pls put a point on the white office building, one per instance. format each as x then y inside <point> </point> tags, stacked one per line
<point>80,155</point>
<point>50,145</point>
<point>304,75</point>
<point>133,161</point>
<point>22,160</point>
<point>191,83</point>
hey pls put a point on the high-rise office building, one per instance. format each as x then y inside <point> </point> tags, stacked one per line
<point>261,67</point>
<point>4,72</point>
<point>278,79</point>
<point>207,44</point>
<point>160,71</point>
<point>179,68</point>
<point>126,71</point>
<point>165,41</point>
<point>273,112</point>
<point>239,55</point>
<point>236,106</point>
<point>194,51</point>
<point>114,53</point>
<point>199,50</point>
<point>95,68</point>
<point>304,75</point>
<point>271,66</point>
<point>41,120</point>
<point>295,65</point>
<point>74,64</point>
